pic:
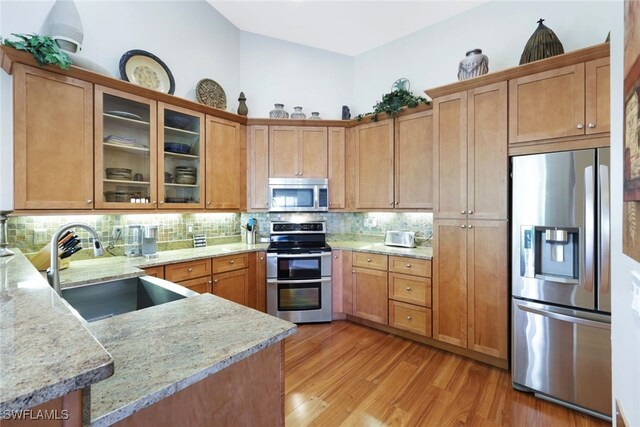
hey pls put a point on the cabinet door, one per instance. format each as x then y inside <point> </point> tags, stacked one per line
<point>413,160</point>
<point>341,278</point>
<point>233,285</point>
<point>488,301</point>
<point>259,280</point>
<point>374,165</point>
<point>125,147</point>
<point>487,152</point>
<point>225,164</point>
<point>410,318</point>
<point>155,271</point>
<point>200,285</point>
<point>450,281</point>
<point>258,167</point>
<point>182,271</point>
<point>450,156</point>
<point>370,294</point>
<point>597,96</point>
<point>312,152</point>
<point>337,181</point>
<point>283,152</point>
<point>180,167</point>
<point>410,289</point>
<point>547,105</point>
<point>53,140</point>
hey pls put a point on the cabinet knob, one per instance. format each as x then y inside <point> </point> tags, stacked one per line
<point>261,258</point>
<point>353,272</point>
<point>215,281</point>
<point>580,126</point>
<point>592,125</point>
<point>154,202</point>
<point>209,282</point>
<point>368,259</point>
<point>208,203</point>
<point>232,262</point>
<point>408,317</point>
<point>390,203</point>
<point>470,227</point>
<point>189,269</point>
<point>408,288</point>
<point>470,212</point>
<point>266,203</point>
<point>330,203</point>
<point>463,226</point>
<point>162,202</point>
<point>89,201</point>
<point>397,203</point>
<point>463,212</point>
<point>408,265</point>
<point>335,257</point>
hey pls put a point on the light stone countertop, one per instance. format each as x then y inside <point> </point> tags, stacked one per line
<point>424,252</point>
<point>162,350</point>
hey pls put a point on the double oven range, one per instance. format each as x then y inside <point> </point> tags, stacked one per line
<point>299,272</point>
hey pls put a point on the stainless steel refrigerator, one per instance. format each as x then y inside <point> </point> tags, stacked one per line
<point>561,299</point>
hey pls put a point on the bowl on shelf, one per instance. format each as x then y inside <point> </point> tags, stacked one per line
<point>118,196</point>
<point>123,174</point>
<point>176,147</point>
<point>177,121</point>
<point>186,179</point>
<point>168,178</point>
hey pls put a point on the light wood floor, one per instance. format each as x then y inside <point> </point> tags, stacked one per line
<point>344,374</point>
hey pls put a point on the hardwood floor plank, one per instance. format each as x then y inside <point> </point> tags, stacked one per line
<point>345,374</point>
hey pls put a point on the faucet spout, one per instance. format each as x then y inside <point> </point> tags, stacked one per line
<point>53,275</point>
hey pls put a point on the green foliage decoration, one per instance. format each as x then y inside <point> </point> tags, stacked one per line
<point>43,48</point>
<point>393,102</point>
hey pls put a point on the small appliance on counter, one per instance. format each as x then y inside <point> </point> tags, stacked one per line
<point>133,240</point>
<point>252,230</point>
<point>150,241</point>
<point>404,239</point>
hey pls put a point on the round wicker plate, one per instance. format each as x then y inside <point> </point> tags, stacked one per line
<point>210,93</point>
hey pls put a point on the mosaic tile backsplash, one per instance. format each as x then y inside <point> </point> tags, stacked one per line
<point>31,233</point>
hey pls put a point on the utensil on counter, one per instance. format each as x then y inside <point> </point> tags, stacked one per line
<point>65,238</point>
<point>70,243</point>
<point>70,252</point>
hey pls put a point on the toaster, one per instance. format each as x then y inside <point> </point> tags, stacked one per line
<point>405,239</point>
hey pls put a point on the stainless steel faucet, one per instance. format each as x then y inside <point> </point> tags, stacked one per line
<point>53,274</point>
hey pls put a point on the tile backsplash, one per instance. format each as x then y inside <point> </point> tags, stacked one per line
<point>31,233</point>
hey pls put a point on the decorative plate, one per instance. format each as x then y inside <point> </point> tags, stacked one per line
<point>147,70</point>
<point>210,93</point>
<point>124,114</point>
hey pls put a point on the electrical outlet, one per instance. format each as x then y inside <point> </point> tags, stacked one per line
<point>40,236</point>
<point>189,228</point>
<point>117,232</point>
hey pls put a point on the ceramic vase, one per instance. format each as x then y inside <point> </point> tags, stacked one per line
<point>473,65</point>
<point>243,110</point>
<point>278,112</point>
<point>298,114</point>
<point>315,116</point>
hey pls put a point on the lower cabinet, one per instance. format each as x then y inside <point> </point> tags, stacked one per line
<point>370,294</point>
<point>410,295</point>
<point>200,285</point>
<point>155,271</point>
<point>231,278</point>
<point>410,318</point>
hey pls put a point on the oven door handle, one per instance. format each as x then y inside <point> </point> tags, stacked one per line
<point>307,255</point>
<point>295,282</point>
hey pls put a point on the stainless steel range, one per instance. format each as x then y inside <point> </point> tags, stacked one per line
<point>299,272</point>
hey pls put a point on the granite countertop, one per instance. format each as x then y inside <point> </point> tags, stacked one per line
<point>45,350</point>
<point>423,252</point>
<point>205,334</point>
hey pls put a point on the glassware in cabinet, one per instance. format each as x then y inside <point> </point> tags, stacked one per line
<point>125,150</point>
<point>180,164</point>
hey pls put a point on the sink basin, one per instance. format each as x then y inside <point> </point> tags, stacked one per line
<point>106,299</point>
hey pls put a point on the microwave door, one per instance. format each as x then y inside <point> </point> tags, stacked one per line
<point>292,199</point>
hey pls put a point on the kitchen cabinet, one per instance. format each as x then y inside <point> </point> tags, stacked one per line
<point>369,285</point>
<point>231,278</point>
<point>341,283</point>
<point>373,157</point>
<point>225,164</point>
<point>201,284</point>
<point>337,167</point>
<point>258,281</point>
<point>53,140</point>
<point>181,157</point>
<point>470,295</point>
<point>155,271</point>
<point>567,101</point>
<point>470,154</point>
<point>410,295</point>
<point>258,167</point>
<point>195,275</point>
<point>297,152</point>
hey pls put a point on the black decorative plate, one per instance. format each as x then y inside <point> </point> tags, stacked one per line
<point>147,70</point>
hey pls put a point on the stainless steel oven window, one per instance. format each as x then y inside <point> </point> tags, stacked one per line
<point>302,296</point>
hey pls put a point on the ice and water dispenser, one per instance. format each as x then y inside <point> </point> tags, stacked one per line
<point>550,253</point>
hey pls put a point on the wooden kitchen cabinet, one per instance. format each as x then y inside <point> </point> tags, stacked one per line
<point>369,260</point>
<point>341,283</point>
<point>410,295</point>
<point>258,281</point>
<point>53,140</point>
<point>258,167</point>
<point>298,152</point>
<point>230,263</point>
<point>370,294</point>
<point>337,167</point>
<point>155,271</point>
<point>470,154</point>
<point>563,102</point>
<point>374,165</point>
<point>182,271</point>
<point>232,285</point>
<point>410,317</point>
<point>225,164</point>
<point>201,284</point>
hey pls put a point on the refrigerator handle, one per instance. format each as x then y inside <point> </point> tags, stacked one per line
<point>604,222</point>
<point>564,317</point>
<point>589,228</point>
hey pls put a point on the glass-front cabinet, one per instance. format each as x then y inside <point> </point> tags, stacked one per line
<point>180,158</point>
<point>125,150</point>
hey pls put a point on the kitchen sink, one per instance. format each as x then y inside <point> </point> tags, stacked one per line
<point>106,299</point>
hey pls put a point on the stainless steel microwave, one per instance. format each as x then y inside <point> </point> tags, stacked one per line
<point>298,194</point>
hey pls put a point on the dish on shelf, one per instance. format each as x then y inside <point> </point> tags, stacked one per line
<point>145,69</point>
<point>119,173</point>
<point>176,120</point>
<point>178,200</point>
<point>176,147</point>
<point>168,178</point>
<point>124,115</point>
<point>210,93</point>
<point>185,179</point>
<point>115,139</point>
<point>118,196</point>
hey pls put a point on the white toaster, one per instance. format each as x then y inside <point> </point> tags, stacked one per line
<point>405,239</point>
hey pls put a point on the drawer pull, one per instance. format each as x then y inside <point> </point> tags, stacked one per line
<point>408,317</point>
<point>368,259</point>
<point>335,257</point>
<point>408,265</point>
<point>89,201</point>
<point>209,282</point>
<point>261,258</point>
<point>215,281</point>
<point>232,262</point>
<point>408,288</point>
<point>189,269</point>
<point>580,126</point>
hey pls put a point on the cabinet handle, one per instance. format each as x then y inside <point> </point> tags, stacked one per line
<point>330,203</point>
<point>162,202</point>
<point>353,272</point>
<point>390,203</point>
<point>266,203</point>
<point>408,317</point>
<point>261,258</point>
<point>208,203</point>
<point>592,125</point>
<point>408,265</point>
<point>189,269</point>
<point>209,282</point>
<point>335,257</point>
<point>470,227</point>
<point>368,259</point>
<point>408,288</point>
<point>397,203</point>
<point>463,226</point>
<point>470,212</point>
<point>463,212</point>
<point>154,202</point>
<point>232,262</point>
<point>215,281</point>
<point>580,126</point>
<point>89,200</point>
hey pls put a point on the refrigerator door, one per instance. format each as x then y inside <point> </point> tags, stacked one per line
<point>553,228</point>
<point>604,231</point>
<point>563,354</point>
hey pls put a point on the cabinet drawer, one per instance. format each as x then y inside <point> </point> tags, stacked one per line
<point>415,266</point>
<point>201,284</point>
<point>187,270</point>
<point>374,261</point>
<point>411,289</point>
<point>410,318</point>
<point>155,271</point>
<point>230,263</point>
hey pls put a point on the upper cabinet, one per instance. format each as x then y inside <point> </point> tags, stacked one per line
<point>374,165</point>
<point>563,102</point>
<point>258,167</point>
<point>53,140</point>
<point>337,159</point>
<point>297,152</point>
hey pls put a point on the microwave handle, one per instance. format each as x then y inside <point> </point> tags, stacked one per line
<point>316,197</point>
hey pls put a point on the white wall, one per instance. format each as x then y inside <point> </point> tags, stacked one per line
<point>6,134</point>
<point>274,71</point>
<point>430,57</point>
<point>625,326</point>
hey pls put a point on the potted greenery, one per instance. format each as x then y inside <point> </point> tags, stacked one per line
<point>43,48</point>
<point>393,102</point>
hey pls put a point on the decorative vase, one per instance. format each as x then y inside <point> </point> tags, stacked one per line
<point>542,44</point>
<point>315,116</point>
<point>243,110</point>
<point>473,65</point>
<point>346,113</point>
<point>298,114</point>
<point>278,112</point>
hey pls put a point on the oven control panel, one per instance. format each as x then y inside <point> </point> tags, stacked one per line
<point>298,227</point>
